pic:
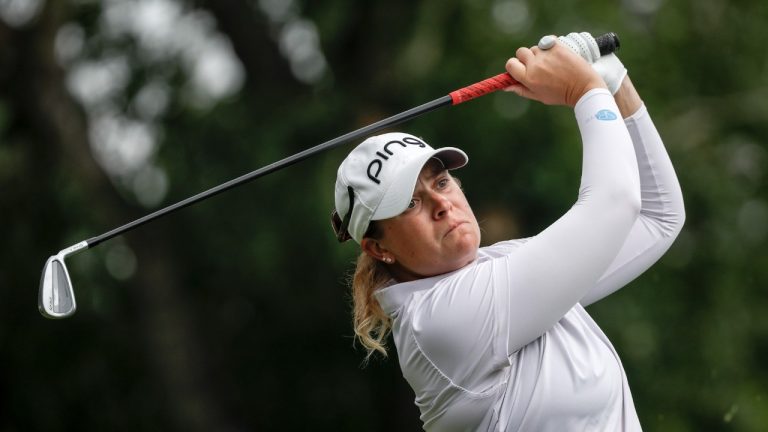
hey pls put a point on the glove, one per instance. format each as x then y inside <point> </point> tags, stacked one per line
<point>609,67</point>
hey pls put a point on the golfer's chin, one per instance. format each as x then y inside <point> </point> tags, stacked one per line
<point>468,258</point>
<point>447,263</point>
<point>463,253</point>
<point>464,245</point>
<point>455,254</point>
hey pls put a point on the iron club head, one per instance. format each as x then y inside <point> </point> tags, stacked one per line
<point>57,298</point>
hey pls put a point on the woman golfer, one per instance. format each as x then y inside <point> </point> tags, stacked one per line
<point>497,338</point>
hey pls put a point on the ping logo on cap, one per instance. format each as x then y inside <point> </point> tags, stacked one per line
<point>606,115</point>
<point>384,154</point>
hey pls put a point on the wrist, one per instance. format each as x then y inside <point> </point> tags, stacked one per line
<point>627,98</point>
<point>588,87</point>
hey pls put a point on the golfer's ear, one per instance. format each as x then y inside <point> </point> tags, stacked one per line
<point>373,248</point>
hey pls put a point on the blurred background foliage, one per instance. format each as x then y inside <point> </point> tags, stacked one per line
<point>234,314</point>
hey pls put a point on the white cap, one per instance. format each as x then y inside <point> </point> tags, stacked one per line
<point>381,173</point>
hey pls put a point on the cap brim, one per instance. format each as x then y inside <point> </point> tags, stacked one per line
<point>400,192</point>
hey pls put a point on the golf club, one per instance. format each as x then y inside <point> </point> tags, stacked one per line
<point>56,297</point>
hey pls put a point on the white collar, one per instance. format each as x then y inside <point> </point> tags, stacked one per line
<point>392,296</point>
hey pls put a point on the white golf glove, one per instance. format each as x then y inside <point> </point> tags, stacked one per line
<point>609,67</point>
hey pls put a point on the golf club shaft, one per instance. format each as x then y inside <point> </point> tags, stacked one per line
<point>298,157</point>
<point>607,43</point>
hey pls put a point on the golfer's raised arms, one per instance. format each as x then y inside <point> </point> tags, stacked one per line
<point>662,212</point>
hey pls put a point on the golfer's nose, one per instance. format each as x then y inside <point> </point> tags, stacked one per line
<point>441,205</point>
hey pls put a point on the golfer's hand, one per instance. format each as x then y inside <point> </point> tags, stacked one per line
<point>556,76</point>
<point>608,66</point>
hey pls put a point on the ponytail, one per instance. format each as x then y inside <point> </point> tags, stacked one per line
<point>372,325</point>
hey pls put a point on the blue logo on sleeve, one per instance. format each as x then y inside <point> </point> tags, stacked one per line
<point>606,115</point>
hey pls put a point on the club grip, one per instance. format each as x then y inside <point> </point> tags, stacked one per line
<point>607,44</point>
<point>481,88</point>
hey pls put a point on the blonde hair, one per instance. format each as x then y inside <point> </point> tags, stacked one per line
<point>372,325</point>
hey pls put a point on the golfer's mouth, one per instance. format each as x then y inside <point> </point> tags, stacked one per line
<point>453,227</point>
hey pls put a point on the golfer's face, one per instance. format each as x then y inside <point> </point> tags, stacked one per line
<point>438,233</point>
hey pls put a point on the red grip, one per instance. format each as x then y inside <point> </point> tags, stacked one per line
<point>481,88</point>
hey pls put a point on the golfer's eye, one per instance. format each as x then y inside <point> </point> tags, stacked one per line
<point>412,204</point>
<point>443,183</point>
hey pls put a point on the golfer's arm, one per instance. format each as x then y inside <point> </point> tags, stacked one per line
<point>543,279</point>
<point>662,213</point>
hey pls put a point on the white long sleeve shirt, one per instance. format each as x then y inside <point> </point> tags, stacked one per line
<point>504,344</point>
